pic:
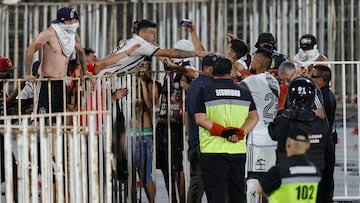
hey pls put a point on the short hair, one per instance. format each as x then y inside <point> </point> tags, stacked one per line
<point>144,24</point>
<point>286,67</point>
<point>89,51</point>
<point>147,58</point>
<point>265,59</point>
<point>240,48</point>
<point>324,72</point>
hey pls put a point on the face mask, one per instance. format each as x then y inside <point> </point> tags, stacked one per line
<point>70,28</point>
<point>311,52</point>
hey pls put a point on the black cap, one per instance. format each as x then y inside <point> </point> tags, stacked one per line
<point>66,13</point>
<point>222,66</point>
<point>209,60</point>
<point>266,37</point>
<point>307,42</point>
<point>298,134</point>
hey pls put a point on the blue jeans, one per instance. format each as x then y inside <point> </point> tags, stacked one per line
<point>144,157</point>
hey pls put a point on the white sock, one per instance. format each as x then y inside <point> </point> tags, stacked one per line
<point>251,192</point>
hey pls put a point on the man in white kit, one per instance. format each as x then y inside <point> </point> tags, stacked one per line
<point>146,35</point>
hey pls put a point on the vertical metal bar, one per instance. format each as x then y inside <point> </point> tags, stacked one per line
<point>168,85</point>
<point>84,164</point>
<point>352,42</point>
<point>16,44</point>
<point>20,166</point>
<point>314,10</point>
<point>45,171</point>
<point>343,86</point>
<point>94,161</point>
<point>7,38</point>
<point>9,183</point>
<point>212,24</point>
<point>307,14</point>
<point>76,155</point>
<point>25,165</point>
<point>358,112</point>
<point>34,165</point>
<point>109,158</point>
<point>245,20</point>
<point>59,172</point>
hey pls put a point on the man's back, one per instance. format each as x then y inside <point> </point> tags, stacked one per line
<point>294,180</point>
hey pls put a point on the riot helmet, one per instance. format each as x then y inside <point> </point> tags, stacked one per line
<point>301,93</point>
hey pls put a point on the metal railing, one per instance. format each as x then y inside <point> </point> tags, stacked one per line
<point>72,151</point>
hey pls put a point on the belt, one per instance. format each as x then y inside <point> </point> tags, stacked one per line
<point>172,120</point>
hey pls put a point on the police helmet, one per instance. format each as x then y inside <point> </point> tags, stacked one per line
<point>301,93</point>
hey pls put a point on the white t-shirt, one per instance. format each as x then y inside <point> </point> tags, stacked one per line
<point>266,102</point>
<point>129,62</point>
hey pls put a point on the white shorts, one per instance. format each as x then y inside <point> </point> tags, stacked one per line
<point>260,158</point>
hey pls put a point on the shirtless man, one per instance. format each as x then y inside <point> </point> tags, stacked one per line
<point>144,127</point>
<point>57,43</point>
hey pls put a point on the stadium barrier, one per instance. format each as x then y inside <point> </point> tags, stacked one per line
<point>77,153</point>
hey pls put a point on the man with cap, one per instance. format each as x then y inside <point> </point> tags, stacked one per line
<point>5,73</point>
<point>57,43</point>
<point>296,179</point>
<point>196,186</point>
<point>225,113</point>
<point>309,52</point>
<point>299,113</point>
<point>266,40</point>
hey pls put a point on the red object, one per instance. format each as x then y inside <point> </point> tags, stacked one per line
<point>240,134</point>
<point>245,72</point>
<point>5,64</point>
<point>355,131</point>
<point>91,68</point>
<point>216,129</point>
<point>282,97</point>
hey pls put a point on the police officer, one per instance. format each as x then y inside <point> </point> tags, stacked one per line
<point>296,179</point>
<point>225,112</point>
<point>298,113</point>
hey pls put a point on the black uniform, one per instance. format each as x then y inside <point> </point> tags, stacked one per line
<point>285,183</point>
<point>321,151</point>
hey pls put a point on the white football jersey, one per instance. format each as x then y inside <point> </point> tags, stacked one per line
<point>264,89</point>
<point>129,62</point>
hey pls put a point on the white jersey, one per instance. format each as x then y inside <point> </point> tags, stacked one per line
<point>129,62</point>
<point>264,89</point>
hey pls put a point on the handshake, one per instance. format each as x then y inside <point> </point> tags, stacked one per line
<point>226,132</point>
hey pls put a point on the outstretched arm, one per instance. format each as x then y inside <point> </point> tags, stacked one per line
<point>112,59</point>
<point>177,53</point>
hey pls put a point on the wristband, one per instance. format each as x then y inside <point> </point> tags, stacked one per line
<point>240,134</point>
<point>216,129</point>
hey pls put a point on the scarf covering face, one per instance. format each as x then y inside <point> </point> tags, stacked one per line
<point>66,36</point>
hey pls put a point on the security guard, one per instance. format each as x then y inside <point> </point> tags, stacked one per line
<point>296,179</point>
<point>225,113</point>
<point>298,113</point>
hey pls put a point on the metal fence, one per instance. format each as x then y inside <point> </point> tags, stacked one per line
<point>78,157</point>
<point>335,23</point>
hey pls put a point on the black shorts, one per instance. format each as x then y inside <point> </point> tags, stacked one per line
<point>57,97</point>
<point>177,146</point>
